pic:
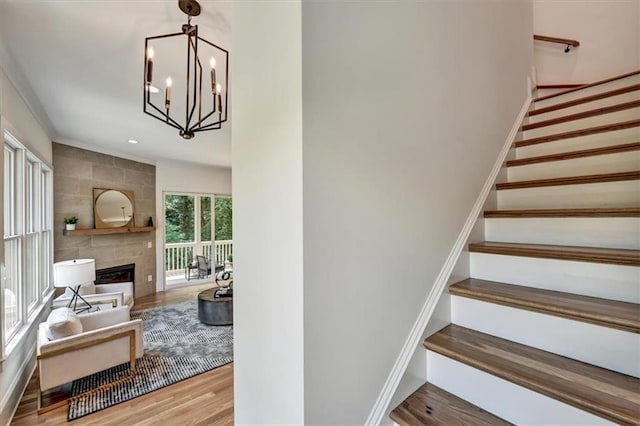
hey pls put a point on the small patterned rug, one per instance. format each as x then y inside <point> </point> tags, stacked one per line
<point>176,346</point>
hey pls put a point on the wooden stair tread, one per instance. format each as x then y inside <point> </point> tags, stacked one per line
<point>605,150</point>
<point>560,85</point>
<point>443,408</point>
<point>597,83</point>
<point>577,133</point>
<point>585,100</point>
<point>602,392</point>
<point>599,212</point>
<point>608,313</point>
<point>583,114</point>
<point>582,254</point>
<point>571,180</point>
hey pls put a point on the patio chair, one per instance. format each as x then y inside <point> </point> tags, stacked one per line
<point>204,267</point>
<point>190,264</point>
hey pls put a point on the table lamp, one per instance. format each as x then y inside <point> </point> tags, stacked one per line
<point>74,274</point>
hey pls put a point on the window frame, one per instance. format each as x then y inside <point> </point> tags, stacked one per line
<point>30,206</point>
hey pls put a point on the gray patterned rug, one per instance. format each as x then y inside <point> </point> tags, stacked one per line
<point>176,346</point>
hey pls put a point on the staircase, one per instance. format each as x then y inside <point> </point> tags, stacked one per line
<point>546,330</point>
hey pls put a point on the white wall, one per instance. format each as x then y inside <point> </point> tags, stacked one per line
<point>178,176</point>
<point>16,118</point>
<point>267,221</point>
<point>19,121</point>
<point>609,35</point>
<point>406,106</point>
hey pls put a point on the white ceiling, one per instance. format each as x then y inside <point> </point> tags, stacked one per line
<point>81,63</point>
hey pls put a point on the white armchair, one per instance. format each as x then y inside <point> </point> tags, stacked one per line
<point>116,294</point>
<point>108,338</point>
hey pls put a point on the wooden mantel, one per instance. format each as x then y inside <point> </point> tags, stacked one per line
<point>107,231</point>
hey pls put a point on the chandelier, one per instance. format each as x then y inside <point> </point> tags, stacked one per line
<point>201,94</point>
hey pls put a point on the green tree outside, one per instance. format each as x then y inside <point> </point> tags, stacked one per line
<point>179,218</point>
<point>224,218</point>
<point>205,218</point>
<point>179,224</point>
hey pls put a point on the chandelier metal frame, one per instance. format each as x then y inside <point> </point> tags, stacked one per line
<point>193,123</point>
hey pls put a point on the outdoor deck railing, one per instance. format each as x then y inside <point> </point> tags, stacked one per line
<point>176,254</point>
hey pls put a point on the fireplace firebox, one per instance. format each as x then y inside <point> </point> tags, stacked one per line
<point>117,274</point>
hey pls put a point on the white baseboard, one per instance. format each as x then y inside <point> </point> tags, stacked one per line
<point>412,341</point>
<point>15,389</point>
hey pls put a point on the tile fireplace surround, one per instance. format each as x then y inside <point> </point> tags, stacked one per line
<point>76,172</point>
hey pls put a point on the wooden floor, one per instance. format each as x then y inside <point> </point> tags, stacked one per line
<point>206,399</point>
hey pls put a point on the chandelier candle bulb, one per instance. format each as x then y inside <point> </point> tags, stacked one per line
<point>167,93</point>
<point>150,65</point>
<point>218,90</point>
<point>212,62</point>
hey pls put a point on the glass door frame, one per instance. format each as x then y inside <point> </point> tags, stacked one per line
<point>197,230</point>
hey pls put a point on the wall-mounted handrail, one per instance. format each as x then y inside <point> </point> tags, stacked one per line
<point>569,42</point>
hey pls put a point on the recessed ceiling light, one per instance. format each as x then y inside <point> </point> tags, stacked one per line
<point>132,141</point>
<point>152,89</point>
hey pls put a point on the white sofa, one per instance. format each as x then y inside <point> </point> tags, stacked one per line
<point>116,294</point>
<point>108,338</point>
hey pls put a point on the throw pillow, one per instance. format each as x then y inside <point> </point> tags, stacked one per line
<point>63,322</point>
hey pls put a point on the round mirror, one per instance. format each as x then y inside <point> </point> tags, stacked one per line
<point>113,209</point>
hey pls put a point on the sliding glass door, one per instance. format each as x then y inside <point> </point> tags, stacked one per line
<point>189,221</point>
<point>223,231</point>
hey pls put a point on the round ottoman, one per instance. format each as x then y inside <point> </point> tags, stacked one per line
<point>214,310</point>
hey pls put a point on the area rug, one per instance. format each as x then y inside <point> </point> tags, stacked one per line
<point>176,346</point>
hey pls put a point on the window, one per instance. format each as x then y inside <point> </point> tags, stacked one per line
<point>26,266</point>
<point>195,224</point>
<point>46,232</point>
<point>11,262</point>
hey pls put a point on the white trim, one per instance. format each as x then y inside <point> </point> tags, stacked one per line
<point>161,281</point>
<point>26,327</point>
<point>14,383</point>
<point>384,398</point>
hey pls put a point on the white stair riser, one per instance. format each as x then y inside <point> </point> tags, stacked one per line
<point>601,88</point>
<point>509,401</point>
<point>574,339</point>
<point>606,194</point>
<point>611,232</point>
<point>583,142</point>
<point>615,282</point>
<point>608,163</point>
<point>583,123</point>
<point>587,106</point>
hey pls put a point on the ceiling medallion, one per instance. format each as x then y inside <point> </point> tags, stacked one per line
<point>201,96</point>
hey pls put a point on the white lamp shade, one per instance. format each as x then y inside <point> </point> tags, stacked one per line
<point>71,273</point>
